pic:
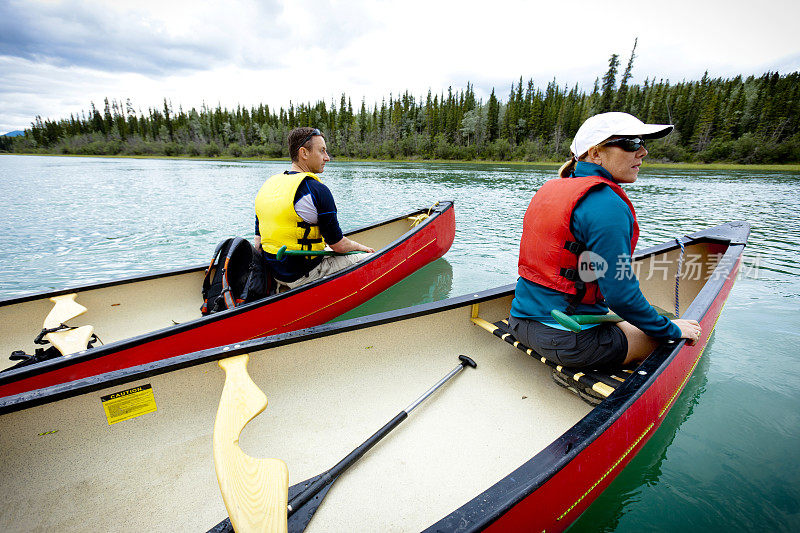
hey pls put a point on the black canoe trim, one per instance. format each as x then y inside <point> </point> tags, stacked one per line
<point>493,503</point>
<point>17,374</point>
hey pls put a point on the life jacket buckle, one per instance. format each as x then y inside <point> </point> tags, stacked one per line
<point>574,247</point>
<point>570,273</point>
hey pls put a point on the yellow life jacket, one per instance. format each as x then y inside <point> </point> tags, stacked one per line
<point>278,222</point>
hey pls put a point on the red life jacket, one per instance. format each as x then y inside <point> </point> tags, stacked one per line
<point>548,253</point>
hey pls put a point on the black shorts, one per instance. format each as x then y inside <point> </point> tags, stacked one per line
<point>601,346</point>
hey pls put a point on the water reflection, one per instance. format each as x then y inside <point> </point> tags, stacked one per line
<point>431,283</point>
<point>645,469</point>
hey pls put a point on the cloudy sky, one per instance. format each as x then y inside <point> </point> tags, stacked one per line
<point>58,56</point>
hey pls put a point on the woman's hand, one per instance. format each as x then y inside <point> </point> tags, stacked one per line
<point>690,329</point>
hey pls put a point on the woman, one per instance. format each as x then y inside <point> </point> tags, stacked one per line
<point>585,211</point>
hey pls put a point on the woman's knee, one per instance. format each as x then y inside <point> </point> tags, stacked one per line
<point>640,344</point>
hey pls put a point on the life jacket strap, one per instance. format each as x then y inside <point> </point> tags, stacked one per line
<point>571,274</point>
<point>46,331</point>
<point>575,299</point>
<point>304,242</point>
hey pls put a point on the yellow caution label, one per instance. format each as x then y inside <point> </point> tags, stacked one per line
<point>129,404</point>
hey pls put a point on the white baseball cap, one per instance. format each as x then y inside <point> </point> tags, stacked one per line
<point>600,127</point>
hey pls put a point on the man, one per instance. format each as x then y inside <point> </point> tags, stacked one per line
<point>296,210</point>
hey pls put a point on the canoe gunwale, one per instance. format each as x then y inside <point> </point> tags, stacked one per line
<point>21,373</point>
<point>492,504</point>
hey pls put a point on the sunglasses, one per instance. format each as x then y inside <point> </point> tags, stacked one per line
<point>313,133</point>
<point>629,144</point>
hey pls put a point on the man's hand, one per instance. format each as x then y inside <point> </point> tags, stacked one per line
<point>347,245</point>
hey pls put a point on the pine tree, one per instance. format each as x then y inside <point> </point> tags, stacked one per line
<point>622,93</point>
<point>609,84</point>
<point>510,119</point>
<point>493,116</point>
<point>362,120</point>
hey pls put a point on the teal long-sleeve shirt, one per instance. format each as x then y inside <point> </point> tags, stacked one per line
<point>604,223</point>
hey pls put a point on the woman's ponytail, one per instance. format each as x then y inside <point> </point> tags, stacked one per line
<point>567,168</point>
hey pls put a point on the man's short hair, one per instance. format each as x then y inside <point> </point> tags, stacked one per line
<point>299,137</point>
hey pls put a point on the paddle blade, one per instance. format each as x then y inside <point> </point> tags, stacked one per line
<point>255,491</point>
<point>302,516</point>
<point>565,320</point>
<point>64,309</point>
<point>71,341</point>
<point>299,520</point>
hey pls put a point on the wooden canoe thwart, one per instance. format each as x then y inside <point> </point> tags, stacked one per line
<point>502,447</point>
<point>147,318</point>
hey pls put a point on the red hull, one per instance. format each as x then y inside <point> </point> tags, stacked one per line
<point>311,306</point>
<point>559,501</point>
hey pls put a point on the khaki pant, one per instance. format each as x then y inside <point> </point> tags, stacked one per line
<point>329,265</point>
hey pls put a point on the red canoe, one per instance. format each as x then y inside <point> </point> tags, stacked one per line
<point>145,319</point>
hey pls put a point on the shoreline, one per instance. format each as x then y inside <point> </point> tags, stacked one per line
<point>790,167</point>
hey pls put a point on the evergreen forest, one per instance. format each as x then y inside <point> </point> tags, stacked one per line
<point>739,120</point>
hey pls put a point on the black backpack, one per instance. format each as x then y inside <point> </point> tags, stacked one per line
<point>235,276</point>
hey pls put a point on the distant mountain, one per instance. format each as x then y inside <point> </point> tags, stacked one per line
<point>15,133</point>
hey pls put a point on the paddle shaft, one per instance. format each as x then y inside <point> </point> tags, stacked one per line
<point>330,476</point>
<point>282,252</point>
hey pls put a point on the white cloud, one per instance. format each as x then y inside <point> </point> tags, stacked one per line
<point>57,56</point>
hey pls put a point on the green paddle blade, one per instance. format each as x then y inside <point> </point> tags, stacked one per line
<point>565,320</point>
<point>596,319</point>
<point>573,322</point>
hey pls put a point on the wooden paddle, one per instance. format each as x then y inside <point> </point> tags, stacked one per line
<point>255,491</point>
<point>308,495</point>
<point>67,341</point>
<point>64,309</point>
<point>282,252</point>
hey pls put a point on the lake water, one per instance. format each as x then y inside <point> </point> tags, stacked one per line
<point>726,458</point>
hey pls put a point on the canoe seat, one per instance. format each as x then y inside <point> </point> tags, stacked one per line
<point>592,386</point>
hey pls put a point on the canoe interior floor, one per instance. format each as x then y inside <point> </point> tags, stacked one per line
<point>64,466</point>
